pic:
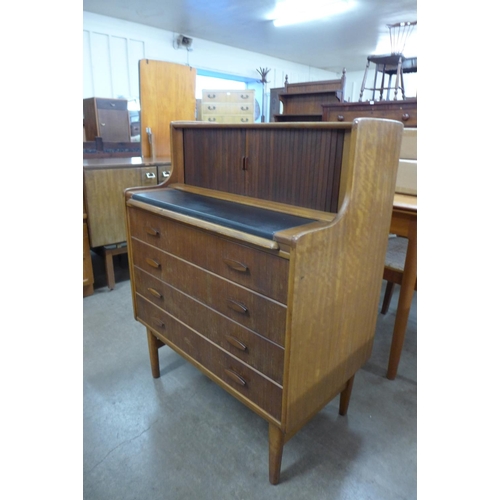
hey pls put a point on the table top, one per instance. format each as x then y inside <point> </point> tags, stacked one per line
<point>135,161</point>
<point>406,202</point>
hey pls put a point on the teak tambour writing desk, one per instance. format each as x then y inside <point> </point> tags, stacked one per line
<point>260,260</point>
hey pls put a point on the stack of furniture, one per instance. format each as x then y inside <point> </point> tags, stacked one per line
<point>228,106</point>
<point>303,101</point>
<point>260,260</point>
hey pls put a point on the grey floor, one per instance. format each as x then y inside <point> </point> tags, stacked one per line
<point>182,437</point>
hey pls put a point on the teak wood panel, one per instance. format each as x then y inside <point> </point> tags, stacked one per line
<point>250,309</point>
<point>232,372</point>
<point>297,167</point>
<point>103,190</point>
<point>250,347</point>
<point>167,93</point>
<point>263,272</point>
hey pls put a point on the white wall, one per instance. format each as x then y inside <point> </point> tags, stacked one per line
<point>112,49</point>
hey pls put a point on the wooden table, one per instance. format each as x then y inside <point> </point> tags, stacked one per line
<point>403,223</point>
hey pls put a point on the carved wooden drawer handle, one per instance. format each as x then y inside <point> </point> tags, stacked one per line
<point>234,264</point>
<point>245,96</point>
<point>244,120</point>
<point>155,293</point>
<point>244,108</point>
<point>153,263</point>
<point>236,343</point>
<point>158,322</point>
<point>237,306</point>
<point>235,377</point>
<point>152,232</point>
<point>210,96</point>
<point>211,108</point>
<point>405,117</point>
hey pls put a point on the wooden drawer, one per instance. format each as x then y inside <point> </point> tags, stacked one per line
<point>253,349</point>
<point>241,378</point>
<point>112,104</point>
<point>226,108</point>
<point>260,271</point>
<point>250,309</point>
<point>407,116</point>
<point>229,119</point>
<point>209,96</point>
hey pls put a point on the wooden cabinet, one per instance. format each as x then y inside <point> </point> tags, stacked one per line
<point>275,301</point>
<point>106,118</point>
<point>228,106</point>
<point>104,181</point>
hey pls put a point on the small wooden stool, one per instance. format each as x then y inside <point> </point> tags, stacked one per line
<point>109,251</point>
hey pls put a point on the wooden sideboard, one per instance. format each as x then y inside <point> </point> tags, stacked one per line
<point>260,260</point>
<point>104,181</point>
<point>404,111</point>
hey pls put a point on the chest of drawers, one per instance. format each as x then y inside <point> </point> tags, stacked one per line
<point>275,302</point>
<point>228,106</point>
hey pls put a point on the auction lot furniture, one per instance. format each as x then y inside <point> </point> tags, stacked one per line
<point>260,259</point>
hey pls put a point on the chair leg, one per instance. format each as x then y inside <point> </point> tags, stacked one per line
<point>387,297</point>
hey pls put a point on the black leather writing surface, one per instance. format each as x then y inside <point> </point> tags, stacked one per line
<point>249,219</point>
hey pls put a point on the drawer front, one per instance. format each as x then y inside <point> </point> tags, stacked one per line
<point>235,374</point>
<point>149,176</point>
<point>210,96</point>
<point>228,118</point>
<point>112,104</point>
<point>260,271</point>
<point>250,309</point>
<point>252,349</point>
<point>408,117</point>
<point>224,108</point>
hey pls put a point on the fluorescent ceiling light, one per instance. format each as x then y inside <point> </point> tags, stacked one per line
<point>301,11</point>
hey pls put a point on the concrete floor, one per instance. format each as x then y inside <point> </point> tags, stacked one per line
<point>183,437</point>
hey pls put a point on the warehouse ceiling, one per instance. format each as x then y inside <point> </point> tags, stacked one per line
<point>333,42</point>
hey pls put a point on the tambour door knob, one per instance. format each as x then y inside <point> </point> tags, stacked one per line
<point>405,117</point>
<point>340,118</point>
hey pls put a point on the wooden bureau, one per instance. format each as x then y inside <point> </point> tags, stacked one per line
<point>260,260</point>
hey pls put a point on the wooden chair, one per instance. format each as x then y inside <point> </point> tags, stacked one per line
<point>394,266</point>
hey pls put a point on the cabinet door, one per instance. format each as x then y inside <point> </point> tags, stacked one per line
<point>215,159</point>
<point>288,165</point>
<point>105,200</point>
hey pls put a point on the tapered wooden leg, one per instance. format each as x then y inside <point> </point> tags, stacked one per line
<point>276,443</point>
<point>154,344</point>
<point>404,303</point>
<point>345,397</point>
